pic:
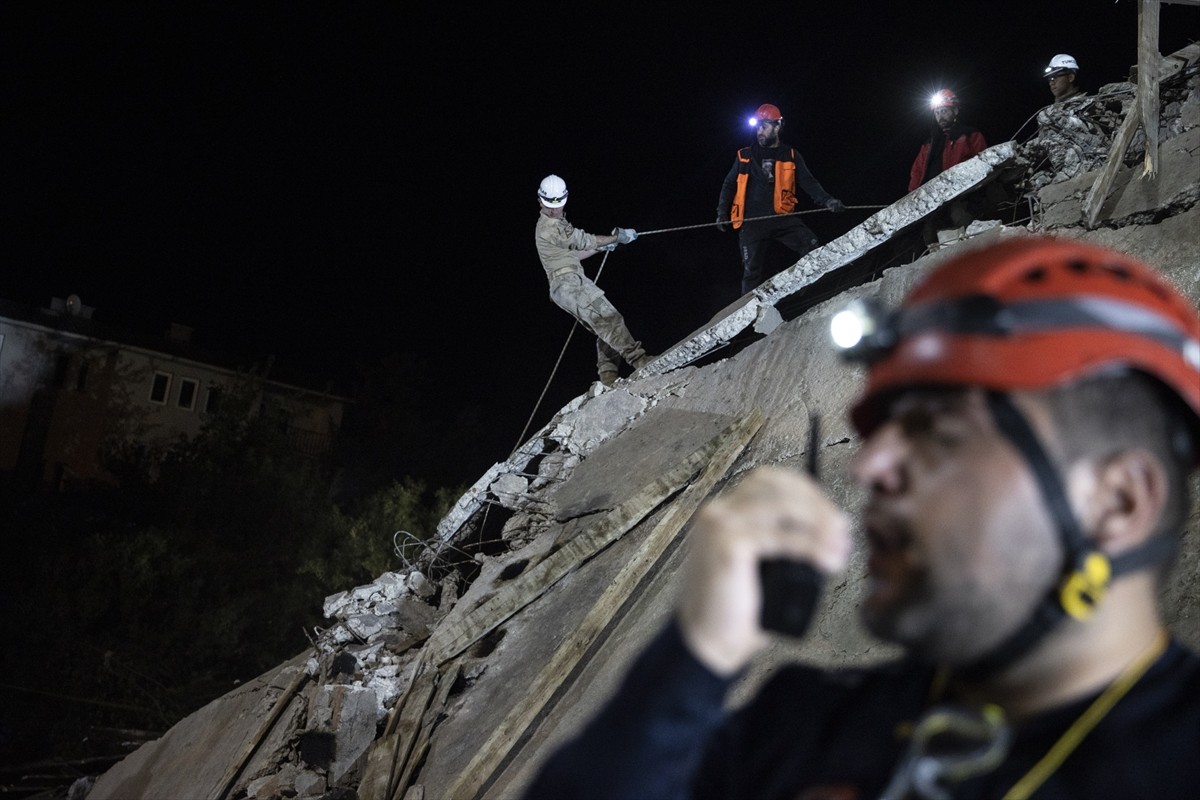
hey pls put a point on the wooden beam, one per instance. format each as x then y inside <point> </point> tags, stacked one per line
<point>255,741</point>
<point>1149,63</point>
<point>454,635</point>
<point>603,614</point>
<point>1099,191</point>
<point>432,715</point>
<point>389,754</point>
<point>1168,68</point>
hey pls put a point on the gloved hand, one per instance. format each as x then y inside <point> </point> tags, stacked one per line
<point>608,248</point>
<point>835,205</point>
<point>624,235</point>
<point>722,222</point>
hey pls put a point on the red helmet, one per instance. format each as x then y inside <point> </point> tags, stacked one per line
<point>1033,312</point>
<point>943,98</point>
<point>768,113</point>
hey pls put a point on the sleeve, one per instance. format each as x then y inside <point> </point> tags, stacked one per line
<point>917,171</point>
<point>976,143</point>
<point>808,183</point>
<point>725,199</point>
<point>647,740</point>
<point>568,237</point>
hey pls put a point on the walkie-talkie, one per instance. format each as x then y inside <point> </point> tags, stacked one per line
<point>791,589</point>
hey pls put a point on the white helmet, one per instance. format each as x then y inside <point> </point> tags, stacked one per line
<point>1060,63</point>
<point>553,191</point>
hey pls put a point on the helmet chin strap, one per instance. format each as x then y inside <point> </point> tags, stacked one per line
<point>1086,570</point>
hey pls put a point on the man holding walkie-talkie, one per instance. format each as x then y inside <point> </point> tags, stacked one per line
<point>1031,417</point>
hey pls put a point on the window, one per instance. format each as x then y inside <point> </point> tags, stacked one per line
<point>187,393</point>
<point>81,376</point>
<point>212,403</point>
<point>160,387</point>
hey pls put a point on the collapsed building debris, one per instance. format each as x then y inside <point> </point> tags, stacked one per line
<point>455,676</point>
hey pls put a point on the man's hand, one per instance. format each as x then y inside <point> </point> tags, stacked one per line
<point>607,248</point>
<point>773,513</point>
<point>624,235</point>
<point>722,221</point>
<point>835,205</point>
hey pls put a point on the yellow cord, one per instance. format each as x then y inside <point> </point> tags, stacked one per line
<point>1087,720</point>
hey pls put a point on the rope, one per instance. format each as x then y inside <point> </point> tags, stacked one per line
<point>554,370</point>
<point>752,219</point>
<point>596,280</point>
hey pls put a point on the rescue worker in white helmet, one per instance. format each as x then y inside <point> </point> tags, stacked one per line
<point>1062,73</point>
<point>1027,433</point>
<point>562,247</point>
<point>759,193</point>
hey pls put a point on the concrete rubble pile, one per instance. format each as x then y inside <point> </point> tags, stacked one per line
<point>429,680</point>
<point>1074,137</point>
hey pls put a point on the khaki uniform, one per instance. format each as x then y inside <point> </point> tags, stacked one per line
<point>559,245</point>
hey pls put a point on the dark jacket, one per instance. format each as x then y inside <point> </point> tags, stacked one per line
<point>748,191</point>
<point>957,145</point>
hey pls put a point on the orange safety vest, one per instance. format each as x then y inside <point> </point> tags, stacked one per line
<point>785,185</point>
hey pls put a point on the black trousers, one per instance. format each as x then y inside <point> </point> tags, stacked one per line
<point>752,236</point>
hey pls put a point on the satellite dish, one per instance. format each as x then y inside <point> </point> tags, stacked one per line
<point>74,305</point>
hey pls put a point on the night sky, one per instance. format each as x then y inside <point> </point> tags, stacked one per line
<point>335,182</point>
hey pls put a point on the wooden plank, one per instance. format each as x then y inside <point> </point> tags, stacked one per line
<point>410,721</point>
<point>255,741</point>
<point>429,721</point>
<point>1099,191</point>
<point>382,756</point>
<point>1168,68</point>
<point>454,636</point>
<point>602,615</point>
<point>1149,63</point>
<point>389,754</point>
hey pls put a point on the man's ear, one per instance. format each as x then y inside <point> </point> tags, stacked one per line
<point>1130,495</point>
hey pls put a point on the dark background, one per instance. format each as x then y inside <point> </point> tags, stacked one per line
<point>332,183</point>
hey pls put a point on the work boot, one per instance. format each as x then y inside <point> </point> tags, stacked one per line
<point>608,377</point>
<point>643,360</point>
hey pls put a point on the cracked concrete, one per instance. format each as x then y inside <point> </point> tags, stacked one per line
<point>594,454</point>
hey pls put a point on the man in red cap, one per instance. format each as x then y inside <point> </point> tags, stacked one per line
<point>951,142</point>
<point>759,195</point>
<point>1029,424</point>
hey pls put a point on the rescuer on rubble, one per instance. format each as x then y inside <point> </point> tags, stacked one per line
<point>950,141</point>
<point>561,247</point>
<point>1029,423</point>
<point>762,183</point>
<point>1062,73</point>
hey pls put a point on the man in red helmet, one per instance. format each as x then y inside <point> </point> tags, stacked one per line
<point>950,142</point>
<point>1029,424</point>
<point>758,197</point>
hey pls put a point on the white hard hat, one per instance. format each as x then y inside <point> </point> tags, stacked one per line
<point>553,191</point>
<point>1061,63</point>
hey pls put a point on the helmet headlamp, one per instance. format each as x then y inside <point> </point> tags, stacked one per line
<point>863,331</point>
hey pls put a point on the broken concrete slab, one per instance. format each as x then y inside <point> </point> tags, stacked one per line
<point>789,373</point>
<point>824,260</point>
<point>197,752</point>
<point>349,714</point>
<point>610,474</point>
<point>1131,197</point>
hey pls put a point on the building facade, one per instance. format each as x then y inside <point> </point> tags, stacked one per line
<point>70,388</point>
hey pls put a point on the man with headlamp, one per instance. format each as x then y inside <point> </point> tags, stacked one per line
<point>1029,423</point>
